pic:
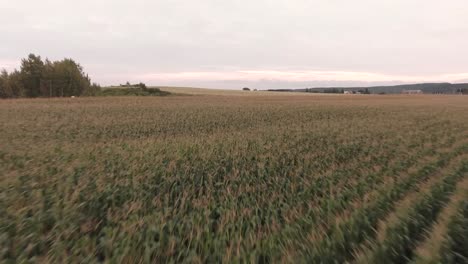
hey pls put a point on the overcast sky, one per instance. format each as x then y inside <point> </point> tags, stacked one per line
<point>229,44</point>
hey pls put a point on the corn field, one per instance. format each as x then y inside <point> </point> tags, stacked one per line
<point>217,178</point>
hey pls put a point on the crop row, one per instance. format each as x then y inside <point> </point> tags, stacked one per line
<point>329,207</point>
<point>456,240</point>
<point>403,235</point>
<point>343,238</point>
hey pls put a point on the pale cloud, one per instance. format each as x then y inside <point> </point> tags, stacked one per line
<point>209,41</point>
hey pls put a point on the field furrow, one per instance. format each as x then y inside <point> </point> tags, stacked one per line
<point>329,210</point>
<point>453,249</point>
<point>343,238</point>
<point>428,251</point>
<point>401,234</point>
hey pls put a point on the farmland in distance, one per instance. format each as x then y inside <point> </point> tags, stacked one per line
<point>235,177</point>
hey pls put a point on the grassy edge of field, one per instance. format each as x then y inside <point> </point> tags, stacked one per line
<point>132,91</point>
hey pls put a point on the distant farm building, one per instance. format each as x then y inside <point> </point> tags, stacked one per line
<point>412,92</point>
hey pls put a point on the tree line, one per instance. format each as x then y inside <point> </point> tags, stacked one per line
<point>38,78</point>
<point>336,90</point>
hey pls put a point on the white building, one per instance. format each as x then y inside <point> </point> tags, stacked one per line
<point>412,92</point>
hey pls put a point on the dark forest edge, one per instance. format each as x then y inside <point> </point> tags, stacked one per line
<point>132,90</point>
<point>419,88</point>
<point>63,78</point>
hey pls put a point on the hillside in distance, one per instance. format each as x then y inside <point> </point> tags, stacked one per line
<point>426,88</point>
